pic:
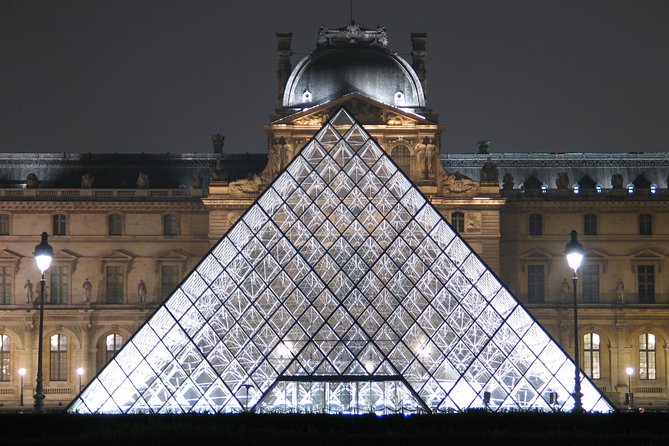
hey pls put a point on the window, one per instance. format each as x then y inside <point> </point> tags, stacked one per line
<point>115,224</point>
<point>114,282</point>
<point>5,285</point>
<point>647,356</point>
<point>5,357</point>
<point>590,224</point>
<point>169,279</point>
<point>59,224</point>
<point>535,283</point>
<point>402,157</point>
<point>645,224</point>
<point>58,358</point>
<point>458,221</point>
<point>4,224</point>
<point>591,363</point>
<point>170,225</point>
<point>536,224</point>
<point>646,282</point>
<point>590,274</point>
<point>113,344</point>
<point>59,284</point>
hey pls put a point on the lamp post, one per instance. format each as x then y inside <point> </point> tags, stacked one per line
<point>80,373</point>
<point>630,397</point>
<point>43,255</point>
<point>22,373</point>
<point>574,253</point>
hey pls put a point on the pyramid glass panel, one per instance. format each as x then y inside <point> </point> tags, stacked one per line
<point>340,290</point>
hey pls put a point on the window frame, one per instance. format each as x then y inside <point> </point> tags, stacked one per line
<point>403,159</point>
<point>59,224</point>
<point>58,358</point>
<point>118,345</point>
<point>5,224</point>
<point>111,229</point>
<point>590,288</point>
<point>590,224</point>
<point>647,357</point>
<point>164,291</point>
<point>5,357</point>
<point>646,279</point>
<point>592,364</point>
<point>6,284</point>
<point>645,224</point>
<point>54,282</point>
<point>173,227</point>
<point>535,224</point>
<point>118,294</point>
<point>458,221</point>
<point>534,285</point>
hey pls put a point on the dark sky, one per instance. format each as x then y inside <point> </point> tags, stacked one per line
<point>163,76</point>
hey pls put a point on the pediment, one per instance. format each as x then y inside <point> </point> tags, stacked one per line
<point>647,254</point>
<point>8,254</point>
<point>537,253</point>
<point>366,110</point>
<point>118,256</point>
<point>173,254</point>
<point>66,254</point>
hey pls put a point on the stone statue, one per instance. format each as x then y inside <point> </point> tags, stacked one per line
<point>218,140</point>
<point>196,181</point>
<point>218,172</point>
<point>507,182</point>
<point>562,180</point>
<point>489,173</point>
<point>275,157</point>
<point>32,181</point>
<point>88,290</point>
<point>617,181</point>
<point>141,290</point>
<point>28,286</point>
<point>143,181</point>
<point>431,152</point>
<point>620,291</point>
<point>564,290</point>
<point>285,150</point>
<point>87,181</point>
<point>484,147</point>
<point>421,157</point>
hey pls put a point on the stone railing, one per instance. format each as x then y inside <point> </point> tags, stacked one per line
<point>650,389</point>
<point>99,194</point>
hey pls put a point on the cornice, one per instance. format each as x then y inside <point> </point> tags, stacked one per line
<point>99,206</point>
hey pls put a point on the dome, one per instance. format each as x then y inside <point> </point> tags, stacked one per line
<point>352,60</point>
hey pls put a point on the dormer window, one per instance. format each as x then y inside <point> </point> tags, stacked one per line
<point>399,98</point>
<point>306,96</point>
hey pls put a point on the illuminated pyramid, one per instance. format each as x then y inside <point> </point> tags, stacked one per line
<point>340,290</point>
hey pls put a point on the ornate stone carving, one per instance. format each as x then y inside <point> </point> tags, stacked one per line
<point>390,118</point>
<point>426,158</point>
<point>218,141</point>
<point>28,287</point>
<point>459,184</point>
<point>250,186</point>
<point>218,172</point>
<point>316,119</point>
<point>196,181</point>
<point>31,181</point>
<point>141,291</point>
<point>87,181</point>
<point>353,34</point>
<point>88,290</point>
<point>472,222</point>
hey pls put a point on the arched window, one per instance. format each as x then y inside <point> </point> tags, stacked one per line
<point>115,224</point>
<point>5,357</point>
<point>402,157</point>
<point>170,225</point>
<point>59,224</point>
<point>458,221</point>
<point>113,344</point>
<point>58,358</point>
<point>4,224</point>
<point>591,356</point>
<point>647,356</point>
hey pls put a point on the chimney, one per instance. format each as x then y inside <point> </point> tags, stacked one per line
<point>283,67</point>
<point>419,57</point>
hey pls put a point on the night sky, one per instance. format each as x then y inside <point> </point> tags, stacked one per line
<point>163,76</point>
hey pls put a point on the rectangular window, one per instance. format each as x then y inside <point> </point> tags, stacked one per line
<point>5,285</point>
<point>59,284</point>
<point>646,281</point>
<point>4,224</point>
<point>647,365</point>
<point>590,224</point>
<point>458,221</point>
<point>591,362</point>
<point>590,282</point>
<point>535,283</point>
<point>115,223</point>
<point>59,224</point>
<point>645,224</point>
<point>58,356</point>
<point>114,281</point>
<point>170,225</point>
<point>535,224</point>
<point>5,357</point>
<point>169,279</point>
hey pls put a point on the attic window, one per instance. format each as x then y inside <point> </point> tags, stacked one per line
<point>630,189</point>
<point>653,189</point>
<point>306,96</point>
<point>399,98</point>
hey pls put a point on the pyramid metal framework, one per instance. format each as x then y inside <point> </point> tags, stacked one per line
<point>340,290</point>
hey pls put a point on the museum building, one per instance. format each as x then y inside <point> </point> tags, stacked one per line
<point>128,229</point>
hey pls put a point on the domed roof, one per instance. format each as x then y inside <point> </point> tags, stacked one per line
<point>351,60</point>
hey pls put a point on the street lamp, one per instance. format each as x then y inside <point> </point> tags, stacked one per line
<point>574,253</point>
<point>80,372</point>
<point>630,397</point>
<point>43,255</point>
<point>22,373</point>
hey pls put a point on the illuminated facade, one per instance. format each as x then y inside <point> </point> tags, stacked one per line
<point>341,290</point>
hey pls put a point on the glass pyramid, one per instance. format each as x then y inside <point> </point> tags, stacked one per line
<point>340,290</point>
